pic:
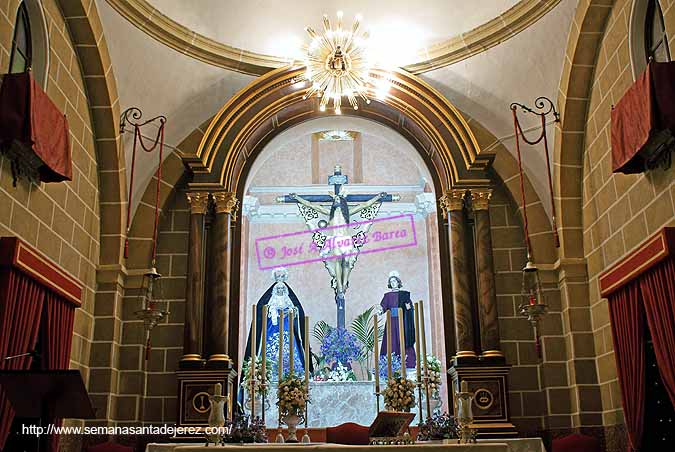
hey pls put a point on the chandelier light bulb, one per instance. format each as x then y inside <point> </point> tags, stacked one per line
<point>338,64</point>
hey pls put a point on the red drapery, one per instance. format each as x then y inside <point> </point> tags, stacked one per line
<point>20,312</point>
<point>658,292</point>
<point>57,336</point>
<point>627,318</point>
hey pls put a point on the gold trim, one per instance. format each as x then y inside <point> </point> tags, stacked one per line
<point>480,198</point>
<point>219,357</point>
<point>191,357</point>
<point>492,354</point>
<point>457,48</point>
<point>466,354</point>
<point>225,202</point>
<point>198,200</point>
<point>452,200</point>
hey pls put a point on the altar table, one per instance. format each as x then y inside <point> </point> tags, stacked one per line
<point>481,447</point>
<point>512,445</point>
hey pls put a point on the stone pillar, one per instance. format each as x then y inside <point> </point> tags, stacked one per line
<point>453,202</point>
<point>194,292</point>
<point>218,302</point>
<point>487,294</point>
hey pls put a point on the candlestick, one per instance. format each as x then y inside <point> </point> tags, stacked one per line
<point>376,331</point>
<point>254,354</point>
<point>424,357</point>
<point>291,341</point>
<point>263,343</point>
<point>281,345</point>
<point>263,364</point>
<point>401,341</point>
<point>390,374</point>
<point>418,361</point>
<point>307,357</point>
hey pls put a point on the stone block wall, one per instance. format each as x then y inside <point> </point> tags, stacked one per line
<point>619,211</point>
<point>59,219</point>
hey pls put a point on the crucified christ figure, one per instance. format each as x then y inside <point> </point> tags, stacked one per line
<point>342,240</point>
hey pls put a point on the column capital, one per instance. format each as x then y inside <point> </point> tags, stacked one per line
<point>480,198</point>
<point>198,200</point>
<point>225,201</point>
<point>452,200</point>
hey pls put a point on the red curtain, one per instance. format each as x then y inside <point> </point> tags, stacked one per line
<point>20,312</point>
<point>57,336</point>
<point>658,292</point>
<point>627,318</point>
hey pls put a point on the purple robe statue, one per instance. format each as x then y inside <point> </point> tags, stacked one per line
<point>391,301</point>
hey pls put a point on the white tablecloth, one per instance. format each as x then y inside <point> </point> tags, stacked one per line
<point>513,445</point>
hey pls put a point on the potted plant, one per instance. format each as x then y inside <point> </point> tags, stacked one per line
<point>292,397</point>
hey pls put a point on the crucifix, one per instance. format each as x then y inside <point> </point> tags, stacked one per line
<point>342,240</point>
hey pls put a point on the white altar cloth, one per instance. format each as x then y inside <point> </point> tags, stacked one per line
<point>271,447</point>
<point>513,445</point>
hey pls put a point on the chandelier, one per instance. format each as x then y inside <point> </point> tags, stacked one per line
<point>338,64</point>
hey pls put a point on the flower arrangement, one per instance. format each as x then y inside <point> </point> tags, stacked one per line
<point>434,365</point>
<point>395,365</point>
<point>399,394</point>
<point>341,373</point>
<point>246,371</point>
<point>272,356</point>
<point>340,346</point>
<point>242,431</point>
<point>292,396</point>
<point>440,426</point>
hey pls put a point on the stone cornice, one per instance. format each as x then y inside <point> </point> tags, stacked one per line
<point>169,32</point>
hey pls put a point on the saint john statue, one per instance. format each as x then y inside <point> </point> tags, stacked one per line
<point>392,300</point>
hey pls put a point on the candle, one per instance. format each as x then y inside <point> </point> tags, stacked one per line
<point>291,342</point>
<point>219,390</point>
<point>418,367</point>
<point>254,349</point>
<point>465,386</point>
<point>388,328</point>
<point>424,339</point>
<point>281,345</point>
<point>376,353</point>
<point>263,345</point>
<point>401,341</point>
<point>307,357</point>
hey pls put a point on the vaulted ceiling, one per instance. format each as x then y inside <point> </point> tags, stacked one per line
<point>186,59</point>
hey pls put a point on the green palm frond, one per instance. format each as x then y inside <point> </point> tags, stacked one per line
<point>364,329</point>
<point>321,330</point>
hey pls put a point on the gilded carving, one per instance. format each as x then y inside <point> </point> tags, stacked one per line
<point>452,200</point>
<point>480,198</point>
<point>225,201</point>
<point>198,200</point>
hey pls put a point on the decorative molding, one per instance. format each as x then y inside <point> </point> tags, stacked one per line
<point>16,253</point>
<point>425,203</point>
<point>652,251</point>
<point>288,213</point>
<point>180,38</point>
<point>225,202</point>
<point>321,189</point>
<point>452,200</point>
<point>198,200</point>
<point>480,198</point>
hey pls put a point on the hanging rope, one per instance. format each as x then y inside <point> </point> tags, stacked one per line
<point>138,140</point>
<point>518,133</point>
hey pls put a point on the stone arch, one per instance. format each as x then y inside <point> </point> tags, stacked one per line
<point>86,31</point>
<point>574,95</point>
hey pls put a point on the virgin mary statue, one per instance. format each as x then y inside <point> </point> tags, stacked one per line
<point>278,298</point>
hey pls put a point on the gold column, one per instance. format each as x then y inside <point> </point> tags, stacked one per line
<point>487,294</point>
<point>220,278</point>
<point>453,202</point>
<point>194,292</point>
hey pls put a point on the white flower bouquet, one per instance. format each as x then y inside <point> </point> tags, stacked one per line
<point>341,373</point>
<point>434,376</point>
<point>292,396</point>
<point>399,395</point>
